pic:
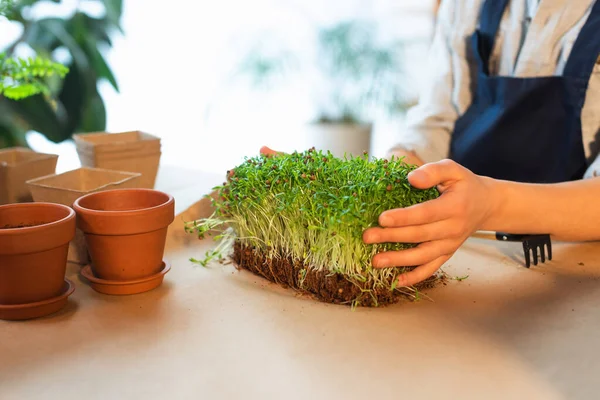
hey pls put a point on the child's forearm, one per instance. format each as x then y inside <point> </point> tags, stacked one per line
<point>567,211</point>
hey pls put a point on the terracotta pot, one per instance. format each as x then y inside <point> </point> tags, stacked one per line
<point>125,231</point>
<point>67,187</point>
<point>34,241</point>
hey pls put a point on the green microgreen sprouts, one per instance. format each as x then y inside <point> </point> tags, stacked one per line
<point>312,207</point>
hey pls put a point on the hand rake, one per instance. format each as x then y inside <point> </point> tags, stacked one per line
<point>538,247</point>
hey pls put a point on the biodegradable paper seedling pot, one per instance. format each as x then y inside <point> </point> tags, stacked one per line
<point>125,231</point>
<point>17,166</point>
<point>127,151</point>
<point>67,187</point>
<point>144,164</point>
<point>123,142</point>
<point>34,241</point>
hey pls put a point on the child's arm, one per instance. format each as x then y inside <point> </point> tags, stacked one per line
<point>567,211</point>
<point>469,203</point>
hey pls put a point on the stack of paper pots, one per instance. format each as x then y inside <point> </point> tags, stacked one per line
<point>132,151</point>
<point>17,166</point>
<point>67,187</point>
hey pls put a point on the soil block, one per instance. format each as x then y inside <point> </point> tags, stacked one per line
<point>323,286</point>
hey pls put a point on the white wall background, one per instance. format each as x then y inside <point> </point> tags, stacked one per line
<point>176,57</point>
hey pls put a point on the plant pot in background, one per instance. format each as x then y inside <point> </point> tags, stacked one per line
<point>67,187</point>
<point>339,138</point>
<point>125,231</point>
<point>34,241</point>
<point>133,151</point>
<point>17,166</point>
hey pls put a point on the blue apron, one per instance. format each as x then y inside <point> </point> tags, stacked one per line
<point>526,129</point>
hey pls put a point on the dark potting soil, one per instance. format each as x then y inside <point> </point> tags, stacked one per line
<point>323,286</point>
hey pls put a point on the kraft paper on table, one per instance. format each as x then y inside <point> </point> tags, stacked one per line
<point>218,333</point>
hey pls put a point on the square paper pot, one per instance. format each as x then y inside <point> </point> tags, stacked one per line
<point>67,187</point>
<point>144,164</point>
<point>133,151</point>
<point>117,143</point>
<point>17,166</point>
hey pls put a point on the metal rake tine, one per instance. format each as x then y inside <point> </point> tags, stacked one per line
<point>534,243</point>
<point>526,253</point>
<point>545,245</point>
<point>549,247</point>
<point>535,254</point>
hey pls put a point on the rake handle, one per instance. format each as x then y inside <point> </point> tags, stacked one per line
<point>501,236</point>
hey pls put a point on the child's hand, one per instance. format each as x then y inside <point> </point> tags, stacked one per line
<point>410,157</point>
<point>440,225</point>
<point>267,151</point>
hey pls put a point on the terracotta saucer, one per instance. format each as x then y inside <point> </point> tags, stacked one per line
<point>125,287</point>
<point>16,312</point>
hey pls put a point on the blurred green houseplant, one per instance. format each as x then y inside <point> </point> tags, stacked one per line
<point>354,78</point>
<point>361,75</point>
<point>357,75</point>
<point>55,99</point>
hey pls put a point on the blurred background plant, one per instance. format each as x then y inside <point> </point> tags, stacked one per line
<point>352,73</point>
<point>353,77</point>
<point>50,72</point>
<point>360,76</point>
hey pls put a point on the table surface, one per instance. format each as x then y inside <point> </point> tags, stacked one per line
<point>218,333</point>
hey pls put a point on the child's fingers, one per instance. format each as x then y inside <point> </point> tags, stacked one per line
<point>419,255</point>
<point>412,234</point>
<point>422,272</point>
<point>437,173</point>
<point>418,214</point>
<point>267,151</point>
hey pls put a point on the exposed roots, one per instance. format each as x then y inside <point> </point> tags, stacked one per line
<point>324,286</point>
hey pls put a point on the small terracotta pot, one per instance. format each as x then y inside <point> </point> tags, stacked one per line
<point>34,241</point>
<point>67,187</point>
<point>125,231</point>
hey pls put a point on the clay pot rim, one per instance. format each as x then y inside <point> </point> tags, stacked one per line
<point>138,211</point>
<point>29,229</point>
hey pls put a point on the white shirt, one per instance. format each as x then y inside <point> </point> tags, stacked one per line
<point>534,39</point>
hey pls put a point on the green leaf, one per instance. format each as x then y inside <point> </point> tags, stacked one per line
<point>98,28</point>
<point>94,115</point>
<point>72,96</point>
<point>21,92</point>
<point>41,117</point>
<point>11,131</point>
<point>6,6</point>
<point>40,38</point>
<point>98,63</point>
<point>114,10</point>
<point>52,33</point>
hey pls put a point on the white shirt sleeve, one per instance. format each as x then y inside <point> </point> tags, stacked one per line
<point>593,170</point>
<point>446,93</point>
